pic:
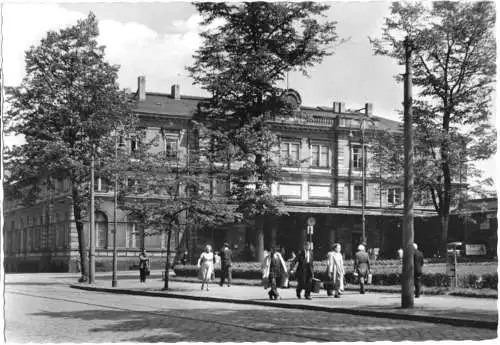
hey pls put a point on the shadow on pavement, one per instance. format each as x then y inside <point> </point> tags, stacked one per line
<point>238,324</point>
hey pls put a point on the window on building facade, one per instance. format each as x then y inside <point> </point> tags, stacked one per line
<point>394,196</point>
<point>170,148</point>
<point>101,225</point>
<point>319,155</point>
<point>356,157</point>
<point>358,193</point>
<point>289,154</point>
<point>134,236</point>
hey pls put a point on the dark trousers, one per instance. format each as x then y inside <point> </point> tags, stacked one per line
<point>306,286</point>
<point>225,271</point>
<point>361,284</point>
<point>417,278</point>
<point>273,284</point>
<point>142,275</point>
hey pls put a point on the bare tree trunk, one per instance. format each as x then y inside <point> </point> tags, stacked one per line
<point>445,219</point>
<point>82,243</point>
<point>167,262</point>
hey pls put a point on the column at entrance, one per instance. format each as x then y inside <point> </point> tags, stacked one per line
<point>331,239</point>
<point>259,247</point>
<point>274,235</point>
<point>301,224</point>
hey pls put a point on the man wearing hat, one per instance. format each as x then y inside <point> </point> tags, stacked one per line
<point>225,264</point>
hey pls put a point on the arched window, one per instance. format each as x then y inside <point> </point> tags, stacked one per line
<point>101,225</point>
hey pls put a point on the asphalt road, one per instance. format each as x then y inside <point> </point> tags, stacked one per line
<point>41,309</point>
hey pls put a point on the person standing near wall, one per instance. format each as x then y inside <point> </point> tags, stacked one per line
<point>226,256</point>
<point>144,266</point>
<point>418,262</point>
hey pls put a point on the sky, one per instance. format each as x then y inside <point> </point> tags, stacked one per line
<point>158,39</point>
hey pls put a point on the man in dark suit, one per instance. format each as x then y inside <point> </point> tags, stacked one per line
<point>304,273</point>
<point>226,258</point>
<point>418,262</point>
<point>362,266</point>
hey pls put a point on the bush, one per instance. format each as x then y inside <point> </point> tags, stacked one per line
<point>387,273</point>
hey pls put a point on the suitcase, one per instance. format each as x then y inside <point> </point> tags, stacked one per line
<point>328,285</point>
<point>316,285</point>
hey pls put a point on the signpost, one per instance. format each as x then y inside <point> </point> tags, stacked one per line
<point>451,263</point>
<point>311,221</point>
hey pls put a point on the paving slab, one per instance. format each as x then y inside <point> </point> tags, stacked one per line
<point>460,311</point>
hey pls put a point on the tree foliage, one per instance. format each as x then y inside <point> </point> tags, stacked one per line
<point>248,48</point>
<point>454,51</point>
<point>66,107</point>
<point>168,194</point>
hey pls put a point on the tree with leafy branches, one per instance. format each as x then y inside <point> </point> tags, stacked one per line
<point>248,48</point>
<point>65,108</point>
<point>454,51</point>
<point>167,194</point>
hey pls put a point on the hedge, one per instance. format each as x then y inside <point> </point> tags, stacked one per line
<point>385,275</point>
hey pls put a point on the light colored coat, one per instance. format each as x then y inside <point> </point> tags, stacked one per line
<point>336,269</point>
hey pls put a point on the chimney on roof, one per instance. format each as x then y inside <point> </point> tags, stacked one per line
<point>338,107</point>
<point>175,91</point>
<point>368,109</point>
<point>141,87</point>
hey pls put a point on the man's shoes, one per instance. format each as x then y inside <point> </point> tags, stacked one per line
<point>308,297</point>
<point>417,296</point>
<point>362,292</point>
<point>298,296</point>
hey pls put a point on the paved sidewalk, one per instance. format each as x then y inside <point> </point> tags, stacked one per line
<point>462,311</point>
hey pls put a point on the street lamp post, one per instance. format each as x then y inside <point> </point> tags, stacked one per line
<point>363,180</point>
<point>114,280</point>
<point>92,221</point>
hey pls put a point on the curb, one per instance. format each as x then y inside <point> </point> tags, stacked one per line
<point>359,312</point>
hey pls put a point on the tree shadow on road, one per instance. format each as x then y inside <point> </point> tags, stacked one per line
<point>251,323</point>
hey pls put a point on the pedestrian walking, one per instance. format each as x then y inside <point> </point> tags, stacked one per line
<point>206,266</point>
<point>418,262</point>
<point>361,267</point>
<point>226,257</point>
<point>335,267</point>
<point>144,266</point>
<point>304,273</point>
<point>275,269</point>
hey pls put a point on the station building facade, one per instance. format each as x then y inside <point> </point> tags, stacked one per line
<point>325,184</point>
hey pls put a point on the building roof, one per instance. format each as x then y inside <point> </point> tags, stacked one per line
<point>165,104</point>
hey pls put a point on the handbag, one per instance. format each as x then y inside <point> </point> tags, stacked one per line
<point>265,283</point>
<point>369,279</point>
<point>148,272</point>
<point>316,285</point>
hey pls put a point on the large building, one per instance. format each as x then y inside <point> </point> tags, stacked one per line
<point>326,184</point>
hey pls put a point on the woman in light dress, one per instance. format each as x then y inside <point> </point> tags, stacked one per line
<point>206,266</point>
<point>336,270</point>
